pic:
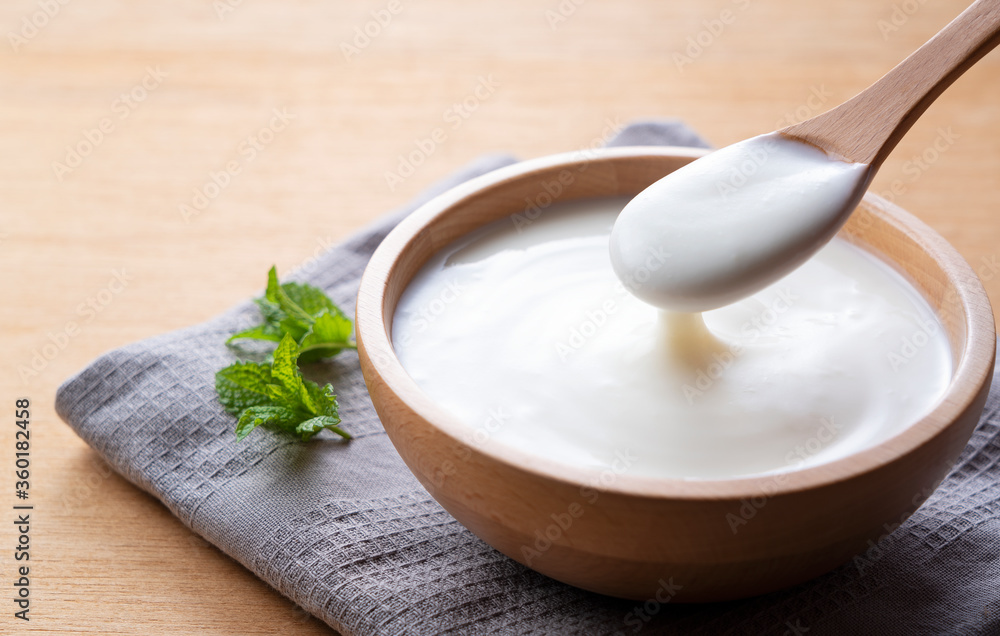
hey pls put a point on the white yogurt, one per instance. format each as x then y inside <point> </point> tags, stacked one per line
<point>733,222</point>
<point>530,340</point>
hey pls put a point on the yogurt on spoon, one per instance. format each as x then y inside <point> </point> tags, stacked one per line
<point>731,223</point>
<point>740,218</point>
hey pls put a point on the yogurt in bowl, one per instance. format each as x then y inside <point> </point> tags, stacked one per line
<point>599,442</point>
<point>524,333</point>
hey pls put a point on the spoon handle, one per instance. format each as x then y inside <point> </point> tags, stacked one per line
<point>867,127</point>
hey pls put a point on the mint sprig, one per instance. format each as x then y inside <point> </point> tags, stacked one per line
<point>307,326</point>
<point>318,325</point>
<point>276,395</point>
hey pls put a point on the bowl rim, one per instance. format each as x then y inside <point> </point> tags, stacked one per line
<point>973,369</point>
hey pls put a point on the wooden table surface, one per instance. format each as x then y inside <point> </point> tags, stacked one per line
<point>115,113</point>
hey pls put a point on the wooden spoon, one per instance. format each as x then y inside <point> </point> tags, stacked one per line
<point>867,127</point>
<point>737,220</point>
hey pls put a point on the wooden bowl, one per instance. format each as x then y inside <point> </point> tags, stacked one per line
<point>645,538</point>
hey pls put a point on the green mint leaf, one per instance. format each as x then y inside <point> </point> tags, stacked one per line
<point>305,313</point>
<point>281,395</point>
<point>284,370</point>
<point>271,312</point>
<point>271,293</point>
<point>285,374</point>
<point>323,399</point>
<point>307,326</point>
<point>277,396</point>
<point>275,416</point>
<point>243,385</point>
<point>260,332</point>
<point>294,328</point>
<point>329,335</point>
<point>312,300</point>
<point>312,426</point>
<point>277,294</point>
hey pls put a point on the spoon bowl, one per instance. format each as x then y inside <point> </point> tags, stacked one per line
<point>739,219</point>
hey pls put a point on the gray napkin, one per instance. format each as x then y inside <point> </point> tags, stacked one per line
<point>346,532</point>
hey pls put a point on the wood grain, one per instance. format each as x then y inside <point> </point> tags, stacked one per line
<point>867,127</point>
<point>111,559</point>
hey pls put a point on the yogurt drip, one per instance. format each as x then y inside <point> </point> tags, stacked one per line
<point>731,223</point>
<point>530,340</point>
